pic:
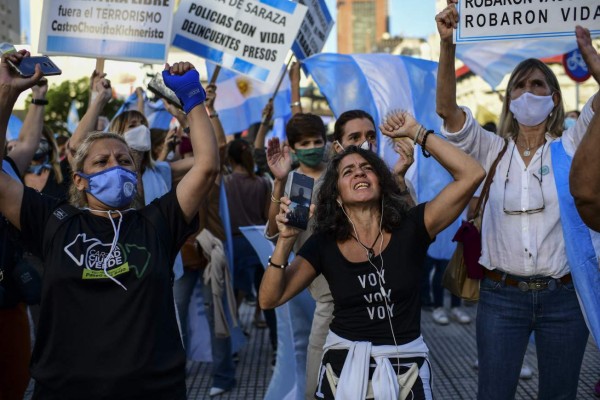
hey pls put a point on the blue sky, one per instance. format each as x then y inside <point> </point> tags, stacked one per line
<point>406,18</point>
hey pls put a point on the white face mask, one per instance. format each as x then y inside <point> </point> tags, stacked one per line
<point>366,145</point>
<point>531,110</point>
<point>138,138</point>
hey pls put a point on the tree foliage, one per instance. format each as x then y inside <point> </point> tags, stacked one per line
<point>59,101</point>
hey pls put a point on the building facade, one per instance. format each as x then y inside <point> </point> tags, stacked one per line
<point>10,27</point>
<point>361,24</point>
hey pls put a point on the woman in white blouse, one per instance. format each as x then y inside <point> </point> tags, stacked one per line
<point>527,286</point>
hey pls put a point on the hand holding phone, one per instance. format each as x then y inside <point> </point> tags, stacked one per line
<point>299,190</point>
<point>26,67</point>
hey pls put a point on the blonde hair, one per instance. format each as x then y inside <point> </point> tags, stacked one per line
<point>77,197</point>
<point>508,127</point>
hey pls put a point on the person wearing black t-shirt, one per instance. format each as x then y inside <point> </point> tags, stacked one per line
<point>371,249</point>
<point>107,326</point>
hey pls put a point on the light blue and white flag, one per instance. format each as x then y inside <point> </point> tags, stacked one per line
<point>155,112</point>
<point>377,84</point>
<point>72,117</point>
<point>240,100</point>
<point>493,60</point>
<point>14,127</point>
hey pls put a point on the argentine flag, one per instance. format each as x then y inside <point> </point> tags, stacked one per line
<point>493,60</point>
<point>240,99</point>
<point>14,127</point>
<point>72,118</point>
<point>155,112</point>
<point>377,84</point>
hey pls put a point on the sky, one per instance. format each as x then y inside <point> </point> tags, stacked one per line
<point>406,19</point>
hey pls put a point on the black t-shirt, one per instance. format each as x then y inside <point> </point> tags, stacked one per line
<point>10,250</point>
<point>95,340</point>
<point>359,312</point>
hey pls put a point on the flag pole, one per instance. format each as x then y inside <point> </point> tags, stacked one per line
<point>215,75</point>
<point>99,65</point>
<point>281,78</point>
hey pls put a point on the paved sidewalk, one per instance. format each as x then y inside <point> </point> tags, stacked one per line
<point>452,354</point>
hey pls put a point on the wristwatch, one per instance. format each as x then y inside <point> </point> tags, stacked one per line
<point>39,102</point>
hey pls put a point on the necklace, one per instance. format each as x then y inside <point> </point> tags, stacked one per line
<point>370,251</point>
<point>527,151</point>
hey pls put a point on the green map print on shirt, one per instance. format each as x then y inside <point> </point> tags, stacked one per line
<point>90,254</point>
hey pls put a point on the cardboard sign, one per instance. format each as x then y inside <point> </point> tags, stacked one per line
<point>251,37</point>
<point>483,20</point>
<point>129,30</point>
<point>314,29</point>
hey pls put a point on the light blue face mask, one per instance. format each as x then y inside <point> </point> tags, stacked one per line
<point>115,187</point>
<point>569,122</point>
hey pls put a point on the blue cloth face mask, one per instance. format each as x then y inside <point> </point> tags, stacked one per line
<point>115,187</point>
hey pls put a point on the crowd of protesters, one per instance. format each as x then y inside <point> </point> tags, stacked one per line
<point>118,231</point>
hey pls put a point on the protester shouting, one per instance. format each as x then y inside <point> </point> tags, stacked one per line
<point>107,323</point>
<point>371,248</point>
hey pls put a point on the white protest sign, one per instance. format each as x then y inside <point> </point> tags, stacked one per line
<point>251,37</point>
<point>314,29</point>
<point>483,20</point>
<point>130,30</point>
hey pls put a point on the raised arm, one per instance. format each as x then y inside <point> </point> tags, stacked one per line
<point>446,105</point>
<point>280,164</point>
<point>184,80</point>
<point>88,122</point>
<point>11,86</point>
<point>467,173</point>
<point>585,175</point>
<point>281,284</point>
<point>585,170</point>
<point>140,102</point>
<point>29,136</point>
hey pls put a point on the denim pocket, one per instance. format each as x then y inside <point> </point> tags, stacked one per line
<point>489,285</point>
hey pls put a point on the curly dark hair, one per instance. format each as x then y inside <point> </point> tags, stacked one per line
<point>329,217</point>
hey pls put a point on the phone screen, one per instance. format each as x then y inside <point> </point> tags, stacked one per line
<point>300,195</point>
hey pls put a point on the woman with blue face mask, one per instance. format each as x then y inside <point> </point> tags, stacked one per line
<point>107,324</point>
<point>529,225</point>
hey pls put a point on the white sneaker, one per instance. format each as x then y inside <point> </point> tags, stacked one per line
<point>459,315</point>
<point>215,391</point>
<point>440,317</point>
<point>526,372</point>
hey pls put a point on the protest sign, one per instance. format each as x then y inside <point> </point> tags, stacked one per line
<point>251,37</point>
<point>314,30</point>
<point>483,20</point>
<point>129,30</point>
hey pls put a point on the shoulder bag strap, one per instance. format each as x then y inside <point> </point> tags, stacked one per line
<point>488,182</point>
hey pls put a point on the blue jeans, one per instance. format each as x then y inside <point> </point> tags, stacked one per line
<point>223,368</point>
<point>506,316</point>
<point>439,267</point>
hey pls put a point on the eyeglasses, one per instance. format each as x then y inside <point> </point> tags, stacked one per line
<point>540,179</point>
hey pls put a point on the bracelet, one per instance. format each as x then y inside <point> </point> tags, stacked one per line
<point>213,115</point>
<point>274,200</point>
<point>295,104</point>
<point>39,102</point>
<point>282,266</point>
<point>418,135</point>
<point>426,154</point>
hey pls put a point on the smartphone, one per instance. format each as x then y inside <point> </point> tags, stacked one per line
<point>26,68</point>
<point>158,87</point>
<point>298,189</point>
